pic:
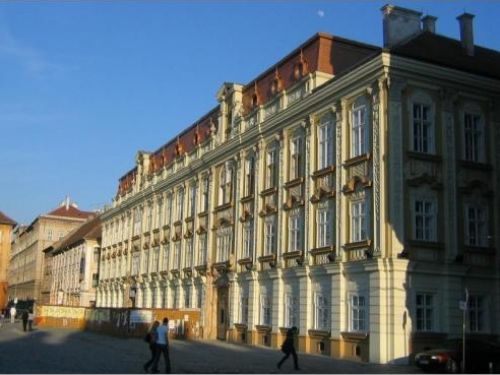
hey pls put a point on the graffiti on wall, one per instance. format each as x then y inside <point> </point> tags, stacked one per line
<point>97,315</point>
<point>141,316</point>
<point>62,312</point>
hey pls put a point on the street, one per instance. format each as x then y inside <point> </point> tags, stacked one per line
<point>66,351</point>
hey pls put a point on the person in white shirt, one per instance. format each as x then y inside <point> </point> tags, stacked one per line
<point>162,346</point>
<point>31,317</point>
<point>13,314</point>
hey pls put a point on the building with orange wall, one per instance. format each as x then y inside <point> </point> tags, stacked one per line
<point>6,226</point>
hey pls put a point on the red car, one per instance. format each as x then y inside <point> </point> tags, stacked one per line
<point>480,357</point>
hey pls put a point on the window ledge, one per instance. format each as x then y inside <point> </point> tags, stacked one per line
<point>246,199</point>
<point>223,207</point>
<point>357,245</point>
<point>263,328</point>
<point>476,165</point>
<point>319,333</point>
<point>479,249</point>
<point>294,182</point>
<point>355,335</point>
<point>357,159</point>
<point>324,171</point>
<point>424,156</point>
<point>427,244</point>
<point>268,191</point>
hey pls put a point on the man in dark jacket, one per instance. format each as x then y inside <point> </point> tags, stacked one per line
<point>24,317</point>
<point>288,348</point>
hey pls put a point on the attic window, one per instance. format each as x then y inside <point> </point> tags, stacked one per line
<point>298,71</point>
<point>255,101</point>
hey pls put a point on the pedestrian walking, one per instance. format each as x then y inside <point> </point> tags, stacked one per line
<point>162,347</point>
<point>13,314</point>
<point>31,318</point>
<point>151,340</point>
<point>24,317</point>
<point>288,348</point>
<point>2,317</point>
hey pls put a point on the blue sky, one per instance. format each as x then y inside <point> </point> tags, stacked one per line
<point>84,85</point>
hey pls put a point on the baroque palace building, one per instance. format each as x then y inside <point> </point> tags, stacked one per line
<point>25,272</point>
<point>349,190</point>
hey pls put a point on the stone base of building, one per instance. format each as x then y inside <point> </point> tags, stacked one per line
<point>3,294</point>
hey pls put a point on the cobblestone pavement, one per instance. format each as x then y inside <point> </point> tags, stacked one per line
<point>68,351</point>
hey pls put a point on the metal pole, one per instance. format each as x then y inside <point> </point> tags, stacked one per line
<point>463,339</point>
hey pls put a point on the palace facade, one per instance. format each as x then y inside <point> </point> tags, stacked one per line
<point>349,190</point>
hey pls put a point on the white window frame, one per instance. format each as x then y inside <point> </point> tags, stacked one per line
<point>321,312</point>
<point>477,313</point>
<point>188,258</point>
<point>295,157</point>
<point>324,227</point>
<point>248,239</point>
<point>135,263</point>
<point>205,195</point>
<point>325,143</point>
<point>265,310</point>
<point>271,167</point>
<point>478,224</point>
<point>424,218</point>
<point>180,204</point>
<point>426,306</point>
<point>359,130</point>
<point>270,235</point>
<point>202,249</point>
<point>360,215</point>
<point>358,313</point>
<point>295,231</point>
<point>244,308</point>
<point>291,310</point>
<point>250,175</point>
<point>192,200</point>
<point>473,136</point>
<point>419,124</point>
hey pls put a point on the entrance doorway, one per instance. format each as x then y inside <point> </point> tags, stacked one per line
<point>222,312</point>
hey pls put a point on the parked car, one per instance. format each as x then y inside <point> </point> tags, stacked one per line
<point>448,357</point>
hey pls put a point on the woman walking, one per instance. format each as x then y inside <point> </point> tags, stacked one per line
<point>151,338</point>
<point>288,348</point>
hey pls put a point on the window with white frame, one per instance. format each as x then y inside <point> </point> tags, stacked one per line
<point>476,313</point>
<point>248,239</point>
<point>166,248</point>
<point>188,259</point>
<point>205,194</point>
<point>359,222</point>
<point>424,219</point>
<point>271,168</point>
<point>180,204</point>
<point>192,200</point>
<point>202,249</point>
<point>249,176</point>
<point>225,185</point>
<point>325,225</point>
<point>423,128</point>
<point>476,225</point>
<point>295,157</point>
<point>265,310</point>
<point>224,238</point>
<point>325,142</point>
<point>156,259</point>
<point>135,263</point>
<point>473,137</point>
<point>359,131</point>
<point>243,307</point>
<point>49,234</point>
<point>137,221</point>
<point>270,235</point>
<point>159,214</point>
<point>154,296</point>
<point>358,314</point>
<point>168,213</point>
<point>291,310</point>
<point>424,311</point>
<point>177,255</point>
<point>149,219</point>
<point>295,230</point>
<point>145,261</point>
<point>124,265</point>
<point>321,312</point>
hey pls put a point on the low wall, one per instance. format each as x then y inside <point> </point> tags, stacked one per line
<point>120,322</point>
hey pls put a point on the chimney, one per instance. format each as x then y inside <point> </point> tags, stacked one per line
<point>399,24</point>
<point>429,24</point>
<point>466,35</point>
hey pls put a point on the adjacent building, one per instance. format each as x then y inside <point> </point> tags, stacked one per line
<point>6,227</point>
<point>25,272</point>
<point>71,267</point>
<point>349,190</point>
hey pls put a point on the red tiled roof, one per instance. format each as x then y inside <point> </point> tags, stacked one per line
<point>440,50</point>
<point>70,211</point>
<point>4,219</point>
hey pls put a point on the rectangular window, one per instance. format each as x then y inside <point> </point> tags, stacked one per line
<point>180,204</point>
<point>295,158</point>
<point>137,221</point>
<point>156,259</point>
<point>424,219</point>
<point>422,129</point>
<point>265,310</point>
<point>149,222</point>
<point>476,225</point>
<point>473,137</point>
<point>206,185</point>
<point>49,234</point>
<point>135,263</point>
<point>324,227</point>
<point>476,313</point>
<point>291,310</point>
<point>358,221</point>
<point>224,239</point>
<point>250,176</point>
<point>192,201</point>
<point>145,261</point>
<point>187,297</point>
<point>359,131</point>
<point>271,170</point>
<point>244,309</point>
<point>325,144</point>
<point>425,311</point>
<point>270,236</point>
<point>358,314</point>
<point>248,240</point>
<point>202,251</point>
<point>95,280</point>
<point>168,205</point>
<point>177,256</point>
<point>166,254</point>
<point>321,313</point>
<point>188,259</point>
<point>159,213</point>
<point>295,232</point>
